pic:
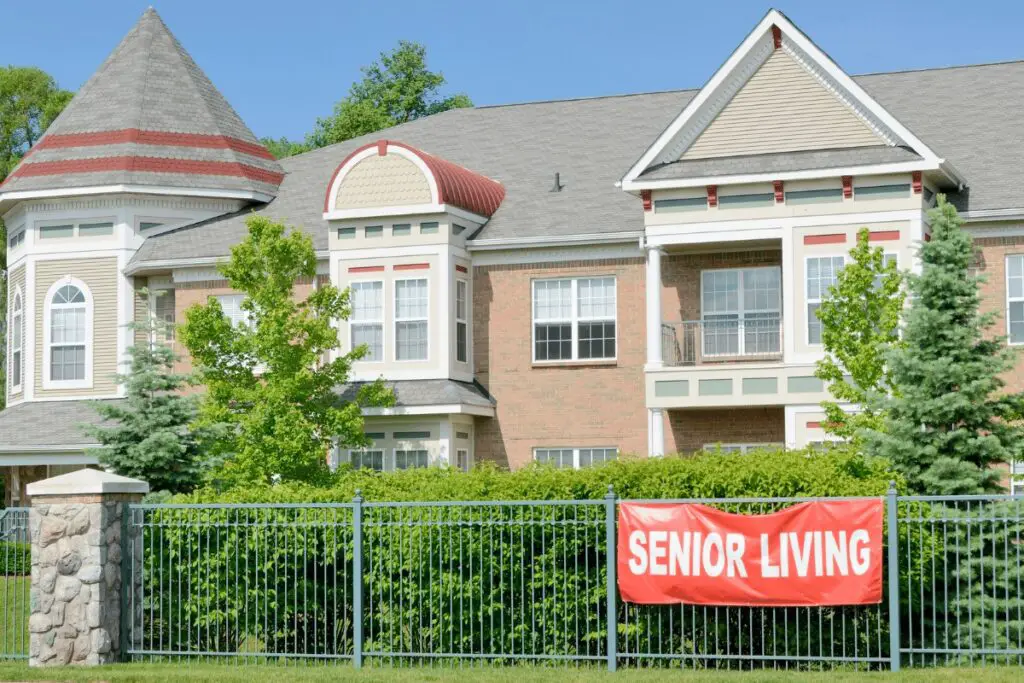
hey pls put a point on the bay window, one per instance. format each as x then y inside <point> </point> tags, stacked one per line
<point>461,321</point>
<point>741,311</point>
<point>366,325</point>
<point>574,319</point>
<point>822,272</point>
<point>411,319</point>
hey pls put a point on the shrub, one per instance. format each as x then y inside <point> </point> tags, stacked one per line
<point>15,558</point>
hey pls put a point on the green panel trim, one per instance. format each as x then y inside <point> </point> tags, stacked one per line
<point>401,230</point>
<point>687,204</point>
<point>374,231</point>
<point>805,385</point>
<point>815,196</point>
<point>759,199</point>
<point>881,191</point>
<point>675,387</point>
<point>760,385</point>
<point>346,233</point>
<point>429,228</point>
<point>714,387</point>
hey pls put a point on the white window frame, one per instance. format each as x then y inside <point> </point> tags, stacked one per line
<point>463,285</point>
<point>1011,300</point>
<point>462,454</point>
<point>383,456</point>
<point>17,345</point>
<point>740,312</point>
<point>425,319</point>
<point>383,327</point>
<point>243,318</point>
<point>741,448</point>
<point>807,297</point>
<point>1017,476</point>
<point>574,320</point>
<point>85,382</point>
<point>407,449</point>
<point>576,452</point>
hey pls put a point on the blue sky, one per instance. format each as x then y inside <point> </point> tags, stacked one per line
<point>282,64</point>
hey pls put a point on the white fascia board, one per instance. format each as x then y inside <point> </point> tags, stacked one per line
<point>553,241</point>
<point>698,101</point>
<point>748,178</point>
<point>713,236</point>
<point>993,214</point>
<point>135,189</point>
<point>724,227</point>
<point>446,409</point>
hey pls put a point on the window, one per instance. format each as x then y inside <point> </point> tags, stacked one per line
<point>741,311</point>
<point>815,196</point>
<point>95,229</point>
<point>462,459</point>
<point>16,239</point>
<point>428,228</point>
<point>17,325</point>
<point>677,205</point>
<point>52,231</point>
<point>1015,298</point>
<point>412,435</point>
<point>574,458</point>
<point>162,309</point>
<point>409,459</point>
<point>822,272</point>
<point>461,322</point>
<point>68,334</point>
<point>148,225</point>
<point>411,319</point>
<point>346,233</point>
<point>366,325</point>
<point>374,231</point>
<point>574,319</point>
<point>401,230</point>
<point>370,459</point>
<point>458,229</point>
<point>231,304</point>
<point>742,448</point>
<point>886,260</point>
<point>881,191</point>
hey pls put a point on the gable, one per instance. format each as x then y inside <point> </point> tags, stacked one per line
<point>782,108</point>
<point>390,180</point>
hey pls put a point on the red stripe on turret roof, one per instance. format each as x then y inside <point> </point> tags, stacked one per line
<point>152,137</point>
<point>149,165</point>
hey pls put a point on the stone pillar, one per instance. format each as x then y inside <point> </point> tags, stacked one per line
<point>75,526</point>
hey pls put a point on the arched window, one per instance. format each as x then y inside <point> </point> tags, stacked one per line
<point>17,332</point>
<point>68,334</point>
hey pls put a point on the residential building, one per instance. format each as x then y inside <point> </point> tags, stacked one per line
<point>558,281</point>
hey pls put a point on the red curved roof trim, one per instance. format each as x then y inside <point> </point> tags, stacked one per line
<point>456,185</point>
<point>147,164</point>
<point>153,137</point>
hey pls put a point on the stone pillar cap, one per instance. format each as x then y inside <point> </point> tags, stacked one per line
<point>86,482</point>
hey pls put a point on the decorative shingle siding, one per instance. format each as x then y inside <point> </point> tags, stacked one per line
<point>101,277</point>
<point>390,180</point>
<point>782,108</point>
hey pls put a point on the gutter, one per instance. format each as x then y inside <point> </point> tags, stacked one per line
<point>165,264</point>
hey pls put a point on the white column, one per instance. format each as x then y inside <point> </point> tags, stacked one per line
<point>654,359</point>
<point>445,442</point>
<point>655,432</point>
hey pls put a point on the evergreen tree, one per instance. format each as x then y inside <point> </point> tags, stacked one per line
<point>949,420</point>
<point>859,321</point>
<point>149,435</point>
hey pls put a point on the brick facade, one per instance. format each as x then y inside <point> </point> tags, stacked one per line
<point>680,277</point>
<point>691,430</point>
<point>599,404</point>
<point>991,263</point>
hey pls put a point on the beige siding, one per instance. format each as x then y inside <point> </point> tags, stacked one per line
<point>390,180</point>
<point>140,309</point>
<point>17,281</point>
<point>782,108</point>
<point>100,276</point>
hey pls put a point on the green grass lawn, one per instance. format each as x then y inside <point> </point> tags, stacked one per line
<point>14,611</point>
<point>188,671</point>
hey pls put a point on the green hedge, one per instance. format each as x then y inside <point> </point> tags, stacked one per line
<point>15,558</point>
<point>836,472</point>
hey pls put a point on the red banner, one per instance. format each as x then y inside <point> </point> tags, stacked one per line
<point>815,553</point>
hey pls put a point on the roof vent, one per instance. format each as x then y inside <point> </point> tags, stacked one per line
<point>557,187</point>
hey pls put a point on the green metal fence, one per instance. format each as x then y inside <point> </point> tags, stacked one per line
<point>464,583</point>
<point>15,563</point>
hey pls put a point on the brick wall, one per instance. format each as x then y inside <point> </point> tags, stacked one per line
<point>991,263</point>
<point>689,430</point>
<point>601,404</point>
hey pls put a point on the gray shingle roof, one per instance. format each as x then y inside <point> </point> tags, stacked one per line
<point>972,115</point>
<point>46,423</point>
<point>780,162</point>
<point>149,103</point>
<point>428,392</point>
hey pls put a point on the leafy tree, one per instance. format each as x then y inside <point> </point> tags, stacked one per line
<point>395,89</point>
<point>949,420</point>
<point>149,435</point>
<point>283,147</point>
<point>29,102</point>
<point>859,321</point>
<point>267,380</point>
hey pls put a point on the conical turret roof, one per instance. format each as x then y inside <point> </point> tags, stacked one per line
<point>149,117</point>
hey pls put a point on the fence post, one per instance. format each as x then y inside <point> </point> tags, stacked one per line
<point>357,580</point>
<point>894,577</point>
<point>610,616</point>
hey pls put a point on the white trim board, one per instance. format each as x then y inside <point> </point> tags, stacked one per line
<point>445,409</point>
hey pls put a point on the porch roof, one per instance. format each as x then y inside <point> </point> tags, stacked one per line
<point>41,426</point>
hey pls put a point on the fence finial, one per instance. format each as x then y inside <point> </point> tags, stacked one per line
<point>358,498</point>
<point>611,491</point>
<point>892,486</point>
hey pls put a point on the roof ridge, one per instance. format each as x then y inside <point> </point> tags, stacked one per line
<point>150,12</point>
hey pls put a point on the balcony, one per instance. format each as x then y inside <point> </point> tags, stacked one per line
<point>718,340</point>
